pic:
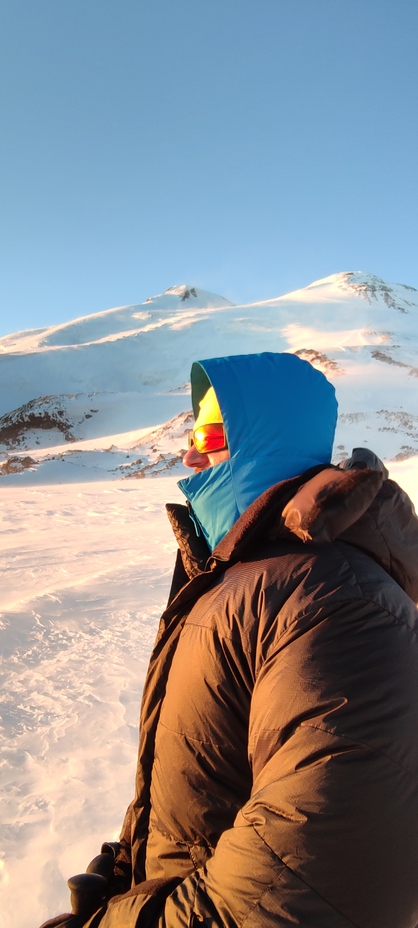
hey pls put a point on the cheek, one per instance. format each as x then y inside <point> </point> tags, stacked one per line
<point>218,456</point>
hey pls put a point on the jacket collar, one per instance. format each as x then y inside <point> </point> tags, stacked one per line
<point>260,520</point>
<point>323,504</point>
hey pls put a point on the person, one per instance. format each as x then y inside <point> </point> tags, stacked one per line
<point>277,779</point>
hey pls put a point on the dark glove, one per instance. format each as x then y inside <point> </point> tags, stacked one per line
<point>88,894</point>
<point>93,899</point>
<point>89,891</point>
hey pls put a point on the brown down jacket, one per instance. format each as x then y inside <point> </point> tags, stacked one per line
<point>278,761</point>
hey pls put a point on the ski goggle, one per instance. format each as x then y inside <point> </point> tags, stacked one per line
<point>208,438</point>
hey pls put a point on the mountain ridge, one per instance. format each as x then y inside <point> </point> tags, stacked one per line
<point>71,392</point>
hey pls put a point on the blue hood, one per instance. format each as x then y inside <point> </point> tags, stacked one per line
<point>279,415</point>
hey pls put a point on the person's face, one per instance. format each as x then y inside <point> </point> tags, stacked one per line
<point>198,461</point>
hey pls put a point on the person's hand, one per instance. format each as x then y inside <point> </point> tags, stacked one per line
<point>89,891</point>
<point>88,894</point>
<point>91,908</point>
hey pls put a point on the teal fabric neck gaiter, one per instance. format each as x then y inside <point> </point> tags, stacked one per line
<point>212,498</point>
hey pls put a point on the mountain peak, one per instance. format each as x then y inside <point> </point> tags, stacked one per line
<point>183,293</point>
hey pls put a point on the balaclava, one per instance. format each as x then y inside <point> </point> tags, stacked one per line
<point>279,415</point>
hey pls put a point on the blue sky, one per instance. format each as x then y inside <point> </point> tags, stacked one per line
<point>248,147</point>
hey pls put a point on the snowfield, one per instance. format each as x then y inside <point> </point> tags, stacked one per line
<point>85,574</point>
<point>90,411</point>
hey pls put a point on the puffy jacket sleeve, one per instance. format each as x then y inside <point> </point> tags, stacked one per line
<point>329,835</point>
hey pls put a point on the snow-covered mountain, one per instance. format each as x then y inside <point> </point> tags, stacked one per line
<point>106,396</point>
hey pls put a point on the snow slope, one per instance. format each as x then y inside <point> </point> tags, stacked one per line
<point>87,552</point>
<point>116,375</point>
<point>85,573</point>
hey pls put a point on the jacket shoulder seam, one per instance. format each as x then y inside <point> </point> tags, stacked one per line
<point>362,744</point>
<point>345,602</point>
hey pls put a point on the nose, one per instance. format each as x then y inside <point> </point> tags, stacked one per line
<point>195,459</point>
